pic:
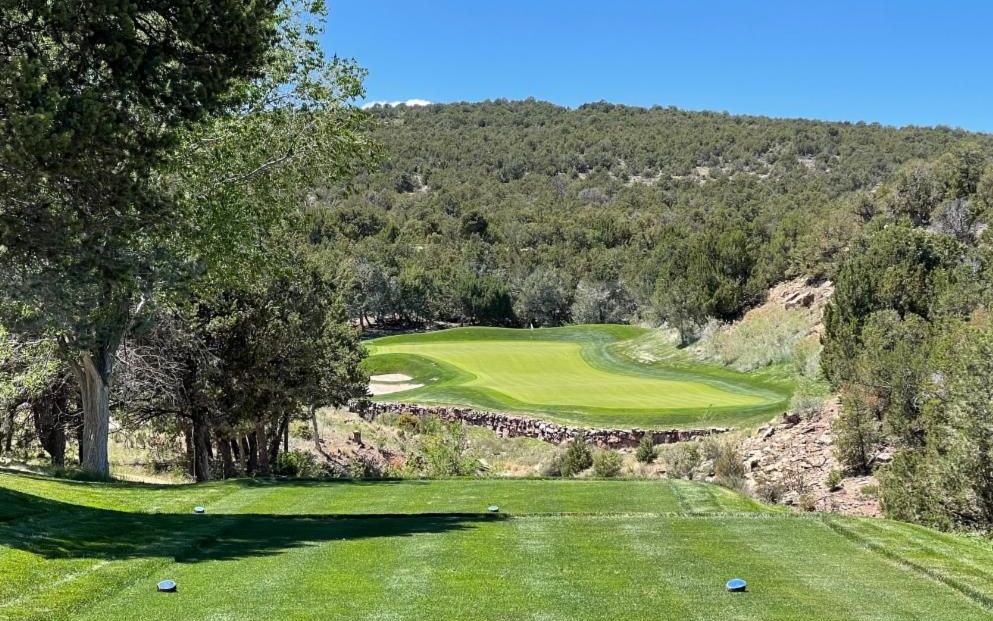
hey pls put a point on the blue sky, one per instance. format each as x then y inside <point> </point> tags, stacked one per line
<point>897,63</point>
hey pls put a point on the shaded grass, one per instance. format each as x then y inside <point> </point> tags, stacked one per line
<point>563,550</point>
<point>583,375</point>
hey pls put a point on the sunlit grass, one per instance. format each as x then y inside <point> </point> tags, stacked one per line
<point>558,549</point>
<point>579,374</point>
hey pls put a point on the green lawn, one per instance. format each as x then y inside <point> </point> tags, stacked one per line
<point>569,550</point>
<point>581,374</point>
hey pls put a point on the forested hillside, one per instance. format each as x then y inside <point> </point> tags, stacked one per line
<point>528,213</point>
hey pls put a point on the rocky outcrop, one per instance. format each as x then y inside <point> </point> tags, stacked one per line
<point>792,457</point>
<point>509,425</point>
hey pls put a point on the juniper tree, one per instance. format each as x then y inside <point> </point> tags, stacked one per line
<point>139,150</point>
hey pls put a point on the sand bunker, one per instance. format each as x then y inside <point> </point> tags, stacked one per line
<point>391,378</point>
<point>377,388</point>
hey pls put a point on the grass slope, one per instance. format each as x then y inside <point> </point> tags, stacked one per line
<point>581,374</point>
<point>572,550</point>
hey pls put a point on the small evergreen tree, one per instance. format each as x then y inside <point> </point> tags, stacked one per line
<point>856,433</point>
<point>646,449</point>
<point>577,456</point>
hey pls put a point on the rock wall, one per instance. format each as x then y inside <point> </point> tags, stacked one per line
<point>508,425</point>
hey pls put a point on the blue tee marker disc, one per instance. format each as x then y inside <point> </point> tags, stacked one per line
<point>167,586</point>
<point>199,510</point>
<point>736,585</point>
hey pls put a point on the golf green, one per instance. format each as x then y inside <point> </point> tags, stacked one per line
<point>424,550</point>
<point>577,374</point>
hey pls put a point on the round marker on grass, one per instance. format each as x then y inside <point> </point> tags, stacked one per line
<point>736,585</point>
<point>493,509</point>
<point>167,586</point>
<point>199,510</point>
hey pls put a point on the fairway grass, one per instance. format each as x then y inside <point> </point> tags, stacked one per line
<point>559,549</point>
<point>577,375</point>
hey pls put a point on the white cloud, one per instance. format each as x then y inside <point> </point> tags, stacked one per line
<point>409,102</point>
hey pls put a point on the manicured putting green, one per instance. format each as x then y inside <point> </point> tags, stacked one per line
<point>423,550</point>
<point>579,374</point>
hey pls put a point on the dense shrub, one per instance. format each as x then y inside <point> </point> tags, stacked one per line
<point>297,463</point>
<point>578,456</point>
<point>645,452</point>
<point>444,449</point>
<point>606,464</point>
<point>553,466</point>
<point>682,459</point>
<point>772,337</point>
<point>833,480</point>
<point>857,433</point>
<point>729,469</point>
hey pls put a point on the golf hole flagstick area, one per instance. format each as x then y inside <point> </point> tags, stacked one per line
<point>581,375</point>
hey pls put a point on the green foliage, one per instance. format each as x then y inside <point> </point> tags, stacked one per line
<point>856,433</point>
<point>916,191</point>
<point>606,464</point>
<point>296,463</point>
<point>834,480</point>
<point>898,269</point>
<point>907,340</point>
<point>444,449</point>
<point>645,453</point>
<point>682,459</point>
<point>619,209</point>
<point>774,336</point>
<point>578,456</point>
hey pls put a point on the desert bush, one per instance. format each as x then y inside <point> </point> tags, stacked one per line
<point>729,469</point>
<point>870,490</point>
<point>407,423</point>
<point>769,491</point>
<point>809,398</point>
<point>646,449</point>
<point>606,464</point>
<point>444,449</point>
<point>361,467</point>
<point>297,463</point>
<point>766,338</point>
<point>577,456</point>
<point>833,481</point>
<point>553,466</point>
<point>682,459</point>
<point>806,502</point>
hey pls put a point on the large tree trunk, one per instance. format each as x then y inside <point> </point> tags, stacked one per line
<point>201,445</point>
<point>49,414</point>
<point>93,369</point>
<point>262,448</point>
<point>281,436</point>
<point>251,448</point>
<point>8,429</point>
<point>227,461</point>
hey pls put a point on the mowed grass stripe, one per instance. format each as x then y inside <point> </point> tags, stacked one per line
<point>629,552</point>
<point>574,374</point>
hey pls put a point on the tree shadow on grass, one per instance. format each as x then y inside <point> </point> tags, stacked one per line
<point>54,529</point>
